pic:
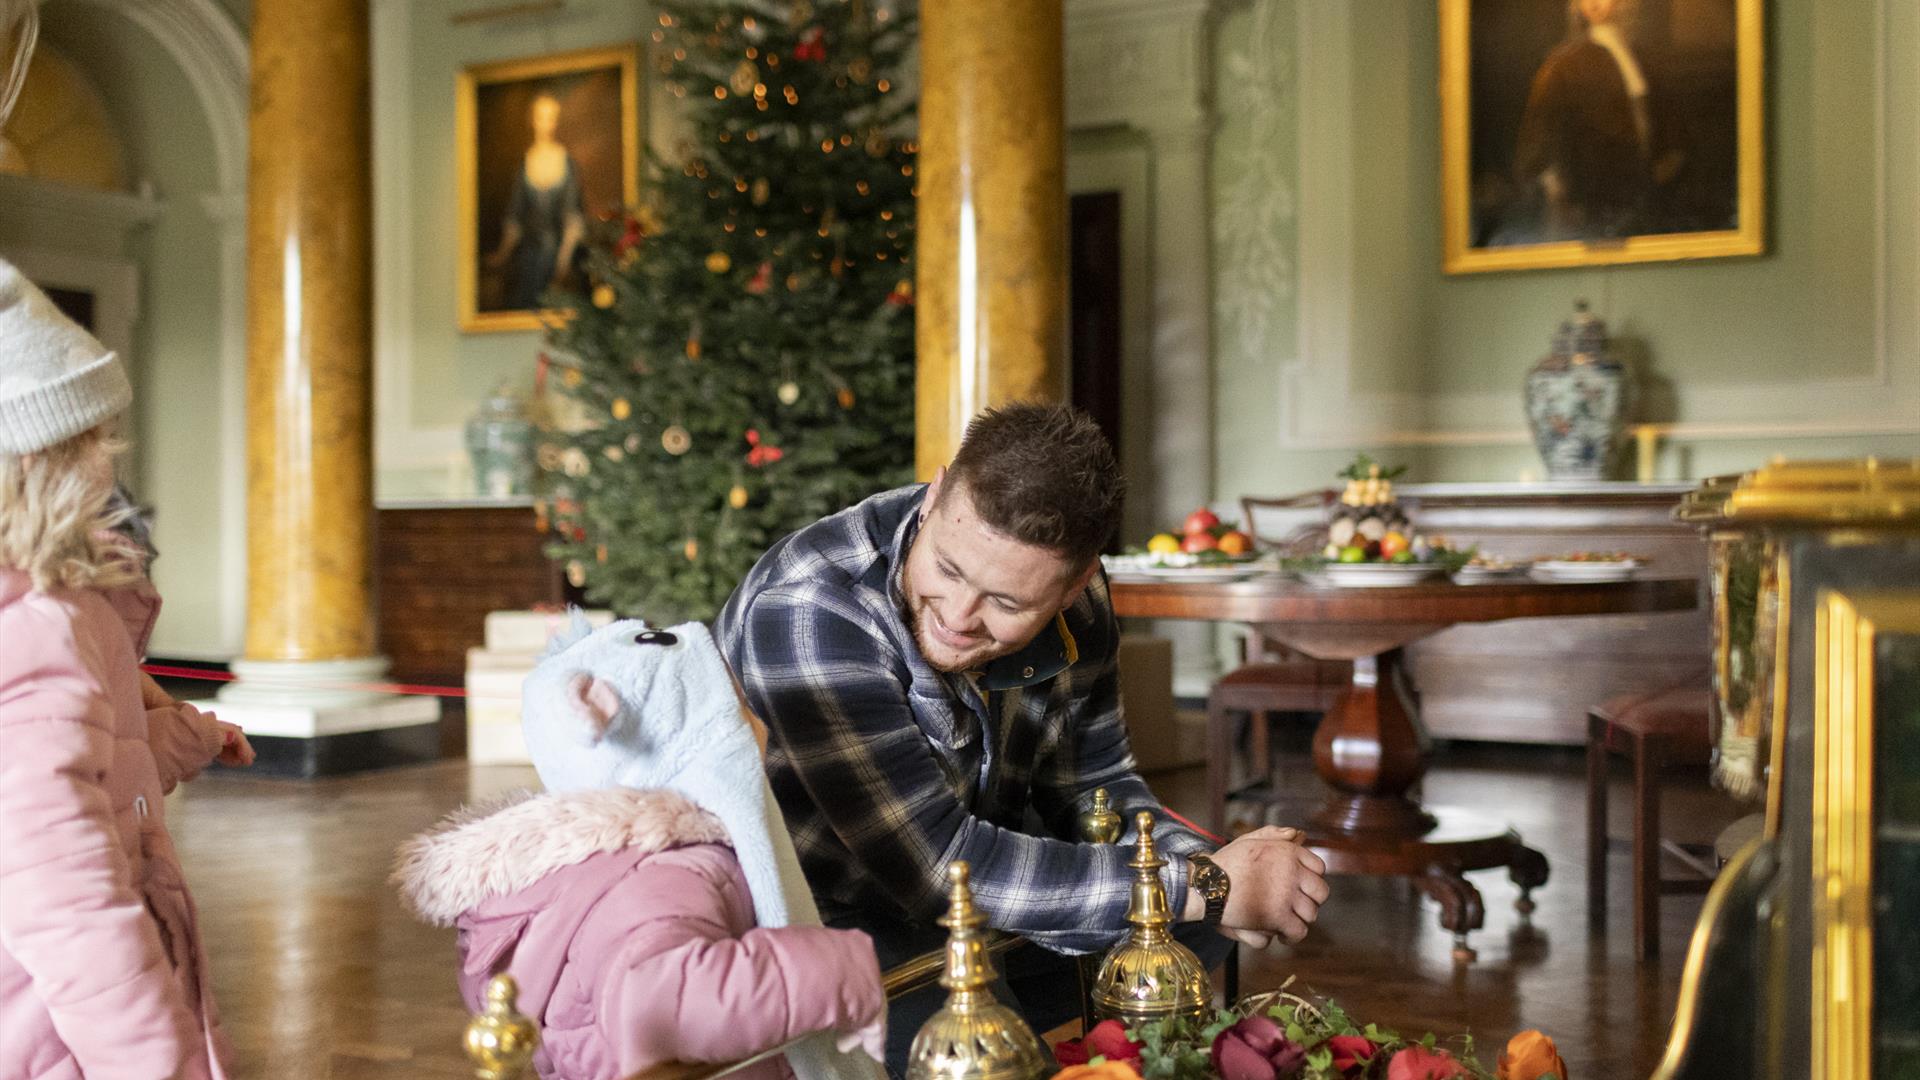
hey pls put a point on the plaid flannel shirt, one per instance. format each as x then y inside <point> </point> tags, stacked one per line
<point>887,769</point>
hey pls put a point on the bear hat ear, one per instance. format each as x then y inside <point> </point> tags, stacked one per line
<point>593,703</point>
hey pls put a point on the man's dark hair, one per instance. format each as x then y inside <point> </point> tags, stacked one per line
<point>1043,474</point>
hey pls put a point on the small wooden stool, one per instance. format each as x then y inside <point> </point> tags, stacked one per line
<point>1258,691</point>
<point>1668,728</point>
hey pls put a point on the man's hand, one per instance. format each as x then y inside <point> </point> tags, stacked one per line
<point>1278,886</point>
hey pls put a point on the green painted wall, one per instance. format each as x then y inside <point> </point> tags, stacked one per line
<point>175,366</point>
<point>1707,333</point>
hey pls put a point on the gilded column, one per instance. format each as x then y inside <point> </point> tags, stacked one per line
<point>991,264</point>
<point>309,344</point>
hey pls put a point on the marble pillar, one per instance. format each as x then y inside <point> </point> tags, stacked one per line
<point>310,641</point>
<point>991,265</point>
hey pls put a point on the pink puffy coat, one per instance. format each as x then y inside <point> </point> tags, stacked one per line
<point>101,969</point>
<point>627,922</point>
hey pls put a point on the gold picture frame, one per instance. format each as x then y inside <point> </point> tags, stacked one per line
<point>1540,189</point>
<point>571,117</point>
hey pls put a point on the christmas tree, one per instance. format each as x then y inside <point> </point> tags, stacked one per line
<point>743,353</point>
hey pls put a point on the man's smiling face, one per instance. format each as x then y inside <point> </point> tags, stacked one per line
<point>974,593</point>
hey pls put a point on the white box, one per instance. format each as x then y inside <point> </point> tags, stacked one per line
<point>529,631</point>
<point>494,736</point>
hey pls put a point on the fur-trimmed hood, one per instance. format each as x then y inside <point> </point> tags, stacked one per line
<point>481,852</point>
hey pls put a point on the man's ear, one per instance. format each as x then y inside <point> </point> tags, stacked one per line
<point>1080,584</point>
<point>933,493</point>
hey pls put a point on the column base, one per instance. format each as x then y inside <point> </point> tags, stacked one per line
<point>299,739</point>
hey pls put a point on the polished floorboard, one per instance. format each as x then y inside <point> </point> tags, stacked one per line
<point>320,973</point>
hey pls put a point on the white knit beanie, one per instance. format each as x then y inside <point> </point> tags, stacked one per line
<point>56,381</point>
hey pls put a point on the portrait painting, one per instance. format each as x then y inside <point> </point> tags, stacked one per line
<point>545,145</point>
<point>1589,132</point>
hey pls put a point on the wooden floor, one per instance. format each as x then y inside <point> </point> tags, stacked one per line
<point>319,973</point>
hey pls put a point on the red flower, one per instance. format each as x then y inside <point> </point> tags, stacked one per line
<point>1351,1053</point>
<point>1106,1039</point>
<point>1420,1063</point>
<point>761,455</point>
<point>813,46</point>
<point>1256,1048</point>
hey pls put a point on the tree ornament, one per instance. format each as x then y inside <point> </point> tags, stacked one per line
<point>693,346</point>
<point>614,453</point>
<point>845,397</point>
<point>737,498</point>
<point>793,282</point>
<point>860,68</point>
<point>876,142</point>
<point>789,392</point>
<point>902,293</point>
<point>547,456</point>
<point>813,46</point>
<point>621,408</point>
<point>761,191</point>
<point>762,453</point>
<point>576,574</point>
<point>570,377</point>
<point>633,443</point>
<point>719,262</point>
<point>675,440</point>
<point>762,279</point>
<point>744,76</point>
<point>691,550</point>
<point>573,462</point>
<point>603,296</point>
<point>600,554</point>
<point>800,14</point>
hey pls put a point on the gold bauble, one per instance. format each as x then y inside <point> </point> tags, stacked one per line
<point>613,453</point>
<point>845,397</point>
<point>621,408</point>
<point>600,553</point>
<point>676,440</point>
<point>737,498</point>
<point>693,348</point>
<point>570,377</point>
<point>603,296</point>
<point>719,262</point>
<point>761,191</point>
<point>974,1037</point>
<point>691,550</point>
<point>1149,975</point>
<point>576,574</point>
<point>744,76</point>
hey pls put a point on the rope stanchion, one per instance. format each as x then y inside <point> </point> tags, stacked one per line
<point>168,671</point>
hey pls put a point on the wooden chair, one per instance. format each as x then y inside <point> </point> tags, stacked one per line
<point>1672,727</point>
<point>1272,680</point>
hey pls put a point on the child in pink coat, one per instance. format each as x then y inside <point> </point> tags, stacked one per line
<point>101,967</point>
<point>649,904</point>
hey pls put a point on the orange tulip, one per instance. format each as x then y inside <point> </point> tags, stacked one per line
<point>1106,1070</point>
<point>1530,1055</point>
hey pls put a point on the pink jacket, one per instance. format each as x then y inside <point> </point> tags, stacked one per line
<point>627,922</point>
<point>101,969</point>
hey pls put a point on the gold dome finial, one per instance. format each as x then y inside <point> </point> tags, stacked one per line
<point>500,1042</point>
<point>974,1037</point>
<point>1149,975</point>
<point>1100,825</point>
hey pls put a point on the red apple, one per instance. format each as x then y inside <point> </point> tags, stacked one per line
<point>1198,542</point>
<point>1201,521</point>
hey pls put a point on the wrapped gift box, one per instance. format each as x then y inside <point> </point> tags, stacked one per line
<point>528,631</point>
<point>515,642</point>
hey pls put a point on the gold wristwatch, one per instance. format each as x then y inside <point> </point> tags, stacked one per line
<point>1212,883</point>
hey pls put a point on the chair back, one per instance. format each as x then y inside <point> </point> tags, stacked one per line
<point>1290,524</point>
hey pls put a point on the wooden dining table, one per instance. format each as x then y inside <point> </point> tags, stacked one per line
<point>1369,747</point>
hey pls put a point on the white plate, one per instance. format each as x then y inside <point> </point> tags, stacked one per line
<point>1567,572</point>
<point>1201,573</point>
<point>1481,575</point>
<point>1372,575</point>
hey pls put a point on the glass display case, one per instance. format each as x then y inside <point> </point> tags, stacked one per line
<point>1803,961</point>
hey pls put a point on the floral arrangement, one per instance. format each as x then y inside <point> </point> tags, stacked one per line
<point>1281,1036</point>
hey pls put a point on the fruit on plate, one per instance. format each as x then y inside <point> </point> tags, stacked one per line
<point>1392,544</point>
<point>1198,542</point>
<point>1367,511</point>
<point>1202,520</point>
<point>1352,553</point>
<point>1163,544</point>
<point>1235,542</point>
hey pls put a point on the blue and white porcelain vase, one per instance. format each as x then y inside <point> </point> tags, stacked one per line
<point>500,445</point>
<point>1577,399</point>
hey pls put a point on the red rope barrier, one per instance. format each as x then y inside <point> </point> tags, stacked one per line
<point>404,689</point>
<point>1177,816</point>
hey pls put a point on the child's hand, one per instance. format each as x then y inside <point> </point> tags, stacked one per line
<point>235,751</point>
<point>872,1039</point>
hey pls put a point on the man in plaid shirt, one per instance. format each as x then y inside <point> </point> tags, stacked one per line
<point>937,668</point>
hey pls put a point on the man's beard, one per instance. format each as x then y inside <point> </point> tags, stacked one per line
<point>918,612</point>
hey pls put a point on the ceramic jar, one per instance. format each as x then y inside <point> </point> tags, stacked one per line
<point>1577,398</point>
<point>500,445</point>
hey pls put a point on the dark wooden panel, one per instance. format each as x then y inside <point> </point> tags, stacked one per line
<point>441,570</point>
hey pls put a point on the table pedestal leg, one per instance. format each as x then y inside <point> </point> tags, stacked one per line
<point>1370,749</point>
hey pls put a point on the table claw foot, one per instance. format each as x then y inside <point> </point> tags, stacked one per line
<point>1528,870</point>
<point>1461,909</point>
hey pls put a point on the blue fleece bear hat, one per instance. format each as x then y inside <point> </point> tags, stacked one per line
<point>633,706</point>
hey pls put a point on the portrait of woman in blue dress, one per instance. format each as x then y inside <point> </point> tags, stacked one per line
<point>545,217</point>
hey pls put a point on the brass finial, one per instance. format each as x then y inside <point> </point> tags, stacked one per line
<point>500,1041</point>
<point>1150,975</point>
<point>1100,825</point>
<point>973,1037</point>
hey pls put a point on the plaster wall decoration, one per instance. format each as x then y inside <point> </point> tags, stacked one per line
<point>1323,405</point>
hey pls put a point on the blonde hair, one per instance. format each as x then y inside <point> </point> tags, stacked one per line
<point>55,522</point>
